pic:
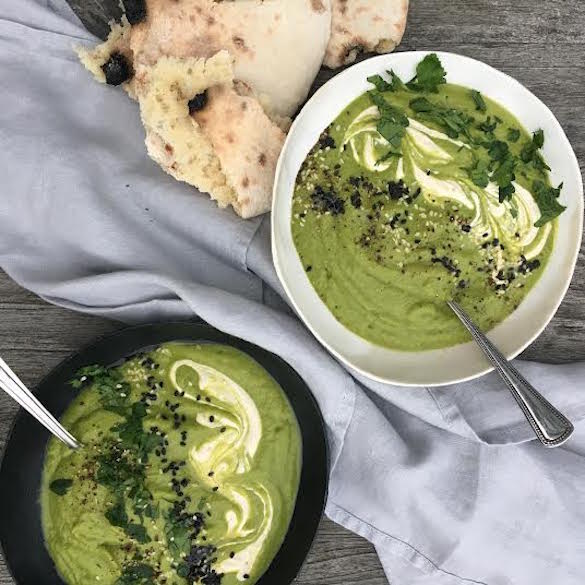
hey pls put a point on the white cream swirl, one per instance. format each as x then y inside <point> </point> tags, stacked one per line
<point>225,457</point>
<point>511,222</point>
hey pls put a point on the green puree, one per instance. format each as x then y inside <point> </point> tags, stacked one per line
<point>419,193</point>
<point>189,471</point>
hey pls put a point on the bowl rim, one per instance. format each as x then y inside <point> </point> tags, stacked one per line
<point>572,260</point>
<point>313,481</point>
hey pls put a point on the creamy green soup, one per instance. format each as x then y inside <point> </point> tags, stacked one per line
<point>189,471</point>
<point>417,194</point>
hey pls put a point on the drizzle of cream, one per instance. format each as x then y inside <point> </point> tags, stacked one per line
<point>230,454</point>
<point>421,144</point>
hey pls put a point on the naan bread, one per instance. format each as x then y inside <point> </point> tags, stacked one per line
<point>247,144</point>
<point>364,26</point>
<point>228,149</point>
<point>256,61</point>
<point>277,45</point>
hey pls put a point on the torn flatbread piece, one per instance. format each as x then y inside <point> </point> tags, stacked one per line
<point>364,26</point>
<point>228,147</point>
<point>247,144</point>
<point>277,45</point>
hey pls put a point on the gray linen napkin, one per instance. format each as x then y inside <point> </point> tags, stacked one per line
<point>446,483</point>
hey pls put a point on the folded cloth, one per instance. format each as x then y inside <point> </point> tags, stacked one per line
<point>446,482</point>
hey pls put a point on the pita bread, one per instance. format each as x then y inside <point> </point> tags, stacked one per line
<point>247,144</point>
<point>228,149</point>
<point>364,26</point>
<point>277,45</point>
<point>118,41</point>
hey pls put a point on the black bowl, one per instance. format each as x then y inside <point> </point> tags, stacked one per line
<point>21,536</point>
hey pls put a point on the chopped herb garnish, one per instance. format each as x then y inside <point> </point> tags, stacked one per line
<point>392,121</point>
<point>116,515</point>
<point>478,100</point>
<point>113,389</point>
<point>422,104</point>
<point>137,532</point>
<point>60,486</point>
<point>479,173</point>
<point>381,84</point>
<point>133,435</point>
<point>547,199</point>
<point>497,150</point>
<point>513,135</point>
<point>429,75</point>
<point>503,176</point>
<point>453,122</point>
<point>530,149</point>
<point>488,126</point>
<point>136,574</point>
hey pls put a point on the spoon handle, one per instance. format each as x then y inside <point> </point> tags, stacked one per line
<point>551,427</point>
<point>13,386</point>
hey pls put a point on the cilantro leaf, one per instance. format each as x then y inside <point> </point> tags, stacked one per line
<point>547,200</point>
<point>429,75</point>
<point>497,150</point>
<point>453,122</point>
<point>381,84</point>
<point>478,100</point>
<point>538,138</point>
<point>60,486</point>
<point>513,135</point>
<point>506,192</point>
<point>396,83</point>
<point>391,131</point>
<point>137,532</point>
<point>136,574</point>
<point>530,149</point>
<point>503,176</point>
<point>422,104</point>
<point>132,433</point>
<point>539,163</point>
<point>142,501</point>
<point>116,515</point>
<point>392,121</point>
<point>478,174</point>
<point>109,382</point>
<point>487,125</point>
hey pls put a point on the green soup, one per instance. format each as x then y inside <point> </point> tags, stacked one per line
<point>416,199</point>
<point>189,471</point>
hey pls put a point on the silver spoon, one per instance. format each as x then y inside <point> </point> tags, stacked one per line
<point>13,386</point>
<point>551,427</point>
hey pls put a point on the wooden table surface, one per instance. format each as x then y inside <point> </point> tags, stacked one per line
<point>542,44</point>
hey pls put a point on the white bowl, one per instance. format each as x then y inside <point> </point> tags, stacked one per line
<point>460,362</point>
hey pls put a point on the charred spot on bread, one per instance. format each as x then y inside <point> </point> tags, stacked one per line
<point>135,10</point>
<point>198,102</point>
<point>117,69</point>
